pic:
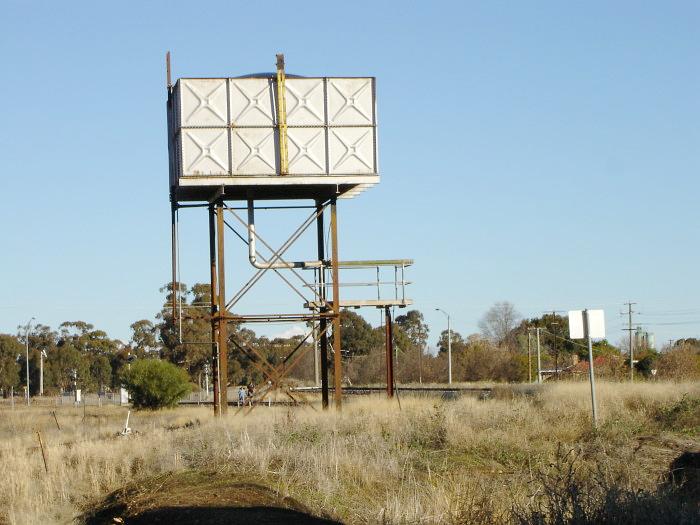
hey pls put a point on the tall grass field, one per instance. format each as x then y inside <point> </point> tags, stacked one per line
<point>524,455</point>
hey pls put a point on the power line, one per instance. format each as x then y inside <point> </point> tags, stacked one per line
<point>673,323</point>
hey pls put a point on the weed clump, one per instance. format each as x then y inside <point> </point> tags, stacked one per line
<point>680,416</point>
<point>573,492</point>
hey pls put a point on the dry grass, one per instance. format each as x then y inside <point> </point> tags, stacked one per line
<point>430,462</point>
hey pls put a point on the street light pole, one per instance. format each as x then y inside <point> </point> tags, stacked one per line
<point>539,360</point>
<point>42,354</point>
<point>529,355</point>
<point>449,346</point>
<point>26,342</point>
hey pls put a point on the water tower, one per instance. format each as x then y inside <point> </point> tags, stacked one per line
<point>275,137</point>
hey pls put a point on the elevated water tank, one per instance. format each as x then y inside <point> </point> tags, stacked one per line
<point>226,132</point>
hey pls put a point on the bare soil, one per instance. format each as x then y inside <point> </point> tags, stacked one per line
<point>204,498</point>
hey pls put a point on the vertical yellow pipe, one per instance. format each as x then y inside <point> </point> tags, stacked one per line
<point>282,116</point>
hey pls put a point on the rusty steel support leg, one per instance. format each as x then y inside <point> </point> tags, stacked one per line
<point>173,258</point>
<point>222,322</point>
<point>323,323</point>
<point>389,331</point>
<point>214,306</point>
<point>337,358</point>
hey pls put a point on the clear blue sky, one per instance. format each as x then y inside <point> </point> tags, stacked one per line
<point>544,153</point>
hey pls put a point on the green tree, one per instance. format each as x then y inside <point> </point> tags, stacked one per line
<point>85,338</point>
<point>143,338</point>
<point>156,384</point>
<point>186,338</point>
<point>458,343</point>
<point>356,335</point>
<point>101,371</point>
<point>41,339</point>
<point>64,362</point>
<point>410,338</point>
<point>10,348</point>
<point>413,324</point>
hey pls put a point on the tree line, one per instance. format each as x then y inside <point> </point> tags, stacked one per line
<point>79,354</point>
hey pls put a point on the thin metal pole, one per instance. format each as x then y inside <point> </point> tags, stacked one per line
<point>26,337</point>
<point>214,307</point>
<point>175,286</point>
<point>389,334</point>
<point>41,372</point>
<point>337,360</point>
<point>323,323</point>
<point>529,356</point>
<point>26,341</point>
<point>556,351</point>
<point>317,364</point>
<point>315,328</point>
<point>539,361</point>
<point>591,375</point>
<point>449,351</point>
<point>167,69</point>
<point>222,322</point>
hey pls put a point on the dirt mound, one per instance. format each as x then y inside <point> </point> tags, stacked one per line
<point>203,498</point>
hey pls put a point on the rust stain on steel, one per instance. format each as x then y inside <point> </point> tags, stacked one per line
<point>214,305</point>
<point>221,320</point>
<point>337,360</point>
<point>322,322</point>
<point>389,333</point>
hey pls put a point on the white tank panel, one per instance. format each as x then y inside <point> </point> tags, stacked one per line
<point>224,131</point>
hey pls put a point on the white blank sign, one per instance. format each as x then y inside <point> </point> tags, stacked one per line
<point>596,323</point>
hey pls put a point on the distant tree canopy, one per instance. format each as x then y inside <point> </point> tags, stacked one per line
<point>498,323</point>
<point>413,325</point>
<point>357,337</point>
<point>10,348</point>
<point>458,343</point>
<point>80,355</point>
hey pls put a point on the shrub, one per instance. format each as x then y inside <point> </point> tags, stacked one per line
<point>156,384</point>
<point>569,492</point>
<point>681,416</point>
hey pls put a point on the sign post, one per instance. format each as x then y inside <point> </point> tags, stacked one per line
<point>588,324</point>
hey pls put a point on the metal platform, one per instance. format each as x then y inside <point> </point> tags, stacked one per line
<point>270,188</point>
<point>350,303</point>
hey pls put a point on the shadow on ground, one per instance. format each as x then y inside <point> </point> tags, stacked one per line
<point>203,498</point>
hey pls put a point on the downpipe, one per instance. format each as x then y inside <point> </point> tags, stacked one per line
<point>277,265</point>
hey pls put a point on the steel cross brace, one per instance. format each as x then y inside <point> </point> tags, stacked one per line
<point>221,308</point>
<point>276,256</point>
<point>275,375</point>
<point>257,236</point>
